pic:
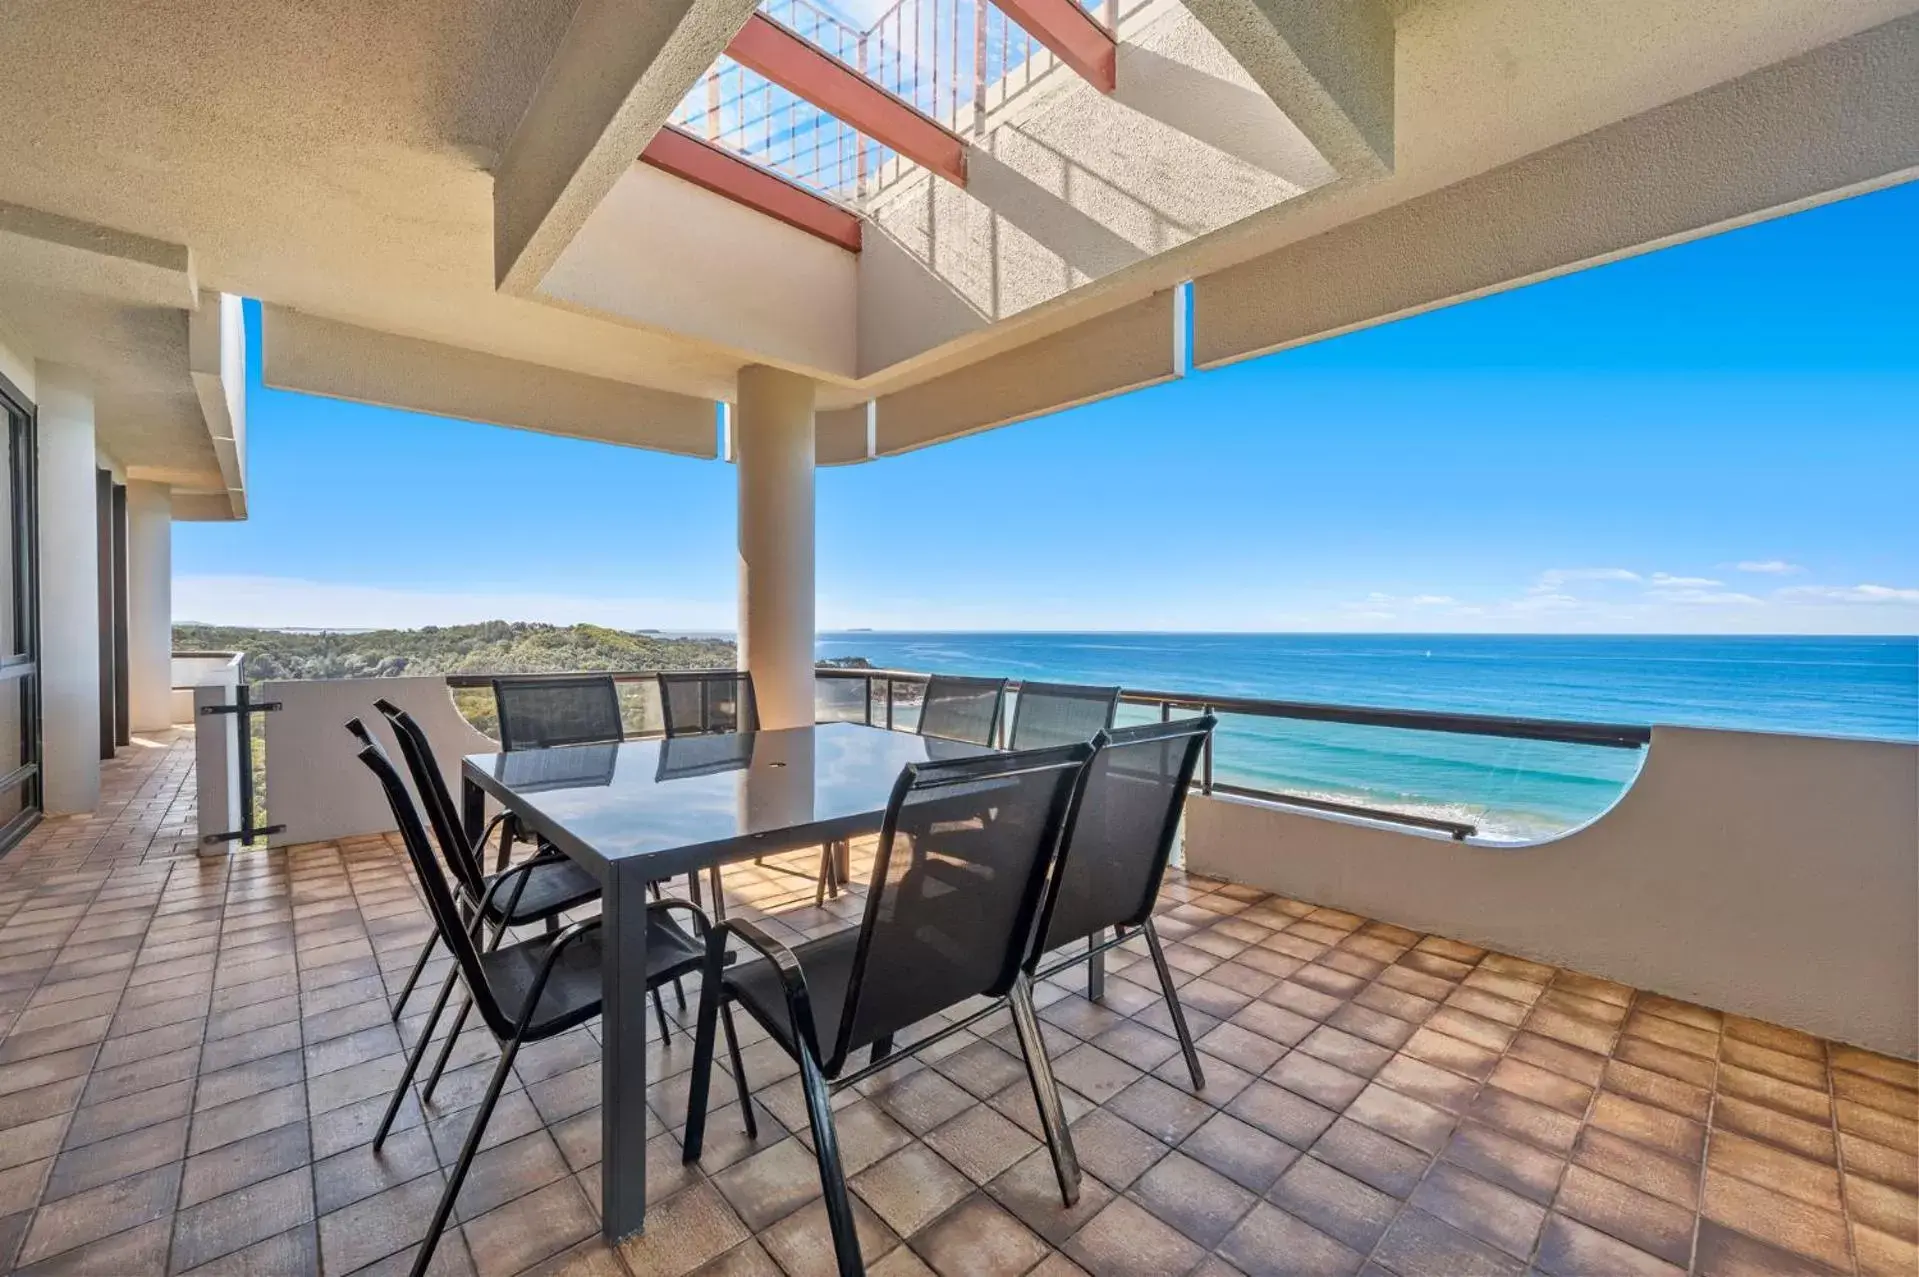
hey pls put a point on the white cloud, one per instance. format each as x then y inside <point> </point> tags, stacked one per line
<point>1707,597</point>
<point>1378,599</point>
<point>1552,578</point>
<point>1768,567</point>
<point>1663,581</point>
<point>287,603</point>
<point>1851,593</point>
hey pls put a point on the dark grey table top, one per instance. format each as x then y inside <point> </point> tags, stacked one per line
<point>699,800</point>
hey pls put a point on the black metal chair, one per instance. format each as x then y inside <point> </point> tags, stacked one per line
<point>965,709</point>
<point>1113,858</point>
<point>540,712</point>
<point>553,884</point>
<point>526,991</point>
<point>922,948</point>
<point>703,702</point>
<point>1060,714</point>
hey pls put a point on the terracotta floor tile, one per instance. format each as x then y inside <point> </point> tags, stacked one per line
<point>1882,1255</point>
<point>100,1212</point>
<point>1568,1248</point>
<point>1334,1203</point>
<point>1242,1153</point>
<point>1808,1139</point>
<point>1644,1168</point>
<point>1268,1242</point>
<point>1775,1218</point>
<point>1418,1245</point>
<point>1483,1209</point>
<point>1499,1157</point>
<point>1636,1218</point>
<point>978,1236</point>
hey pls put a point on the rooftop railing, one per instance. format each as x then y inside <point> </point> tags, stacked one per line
<point>954,60</point>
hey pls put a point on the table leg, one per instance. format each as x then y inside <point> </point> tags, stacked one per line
<point>472,809</point>
<point>623,1053</point>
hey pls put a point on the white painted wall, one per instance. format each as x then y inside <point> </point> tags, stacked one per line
<point>16,365</point>
<point>69,593</point>
<point>149,605</point>
<point>316,786</point>
<point>1775,876</point>
<point>663,252</point>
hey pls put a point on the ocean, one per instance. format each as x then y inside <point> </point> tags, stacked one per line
<point>1512,791</point>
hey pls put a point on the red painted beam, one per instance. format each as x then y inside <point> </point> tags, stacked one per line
<point>724,173</point>
<point>1070,32</point>
<point>803,69</point>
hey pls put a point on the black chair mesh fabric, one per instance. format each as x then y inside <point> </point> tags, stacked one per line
<point>1047,714</point>
<point>1135,790</point>
<point>431,787</point>
<point>704,702</point>
<point>962,708</point>
<point>433,884</point>
<point>536,713</point>
<point>955,894</point>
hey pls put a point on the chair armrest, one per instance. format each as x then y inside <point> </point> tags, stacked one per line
<point>561,942</point>
<point>519,874</point>
<point>799,1004</point>
<point>701,923</point>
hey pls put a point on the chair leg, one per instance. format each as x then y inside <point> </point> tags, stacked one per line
<point>826,877</point>
<point>1096,967</point>
<point>659,1013</point>
<point>506,844</point>
<point>719,895</point>
<point>739,1071</point>
<point>826,1150</point>
<point>508,1049</point>
<point>1172,1006</point>
<point>693,1139</point>
<point>882,1047</point>
<point>679,993</point>
<point>446,1051</point>
<point>419,965</point>
<point>1039,1072</point>
<point>413,1060</point>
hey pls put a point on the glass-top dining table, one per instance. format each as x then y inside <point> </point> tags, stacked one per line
<point>643,810</point>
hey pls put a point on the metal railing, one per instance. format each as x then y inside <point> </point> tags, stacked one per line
<point>1557,731</point>
<point>882,699</point>
<point>953,60</point>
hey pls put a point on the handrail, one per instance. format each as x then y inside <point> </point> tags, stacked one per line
<point>1556,730</point>
<point>1564,731</point>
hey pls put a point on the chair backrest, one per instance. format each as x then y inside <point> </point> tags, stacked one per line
<point>965,709</point>
<point>956,889</point>
<point>433,884</point>
<point>703,702</point>
<point>539,712</point>
<point>430,784</point>
<point>1111,863</point>
<point>1060,714</point>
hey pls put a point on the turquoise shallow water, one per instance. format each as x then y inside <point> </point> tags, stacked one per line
<point>1513,790</point>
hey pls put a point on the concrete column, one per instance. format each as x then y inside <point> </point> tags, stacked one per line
<point>773,444</point>
<point>69,593</point>
<point>150,605</point>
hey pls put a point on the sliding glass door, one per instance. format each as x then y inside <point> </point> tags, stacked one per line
<point>19,628</point>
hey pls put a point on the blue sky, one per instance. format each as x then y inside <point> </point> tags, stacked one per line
<point>1720,437</point>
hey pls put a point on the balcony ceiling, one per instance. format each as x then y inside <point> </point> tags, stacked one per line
<point>466,178</point>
